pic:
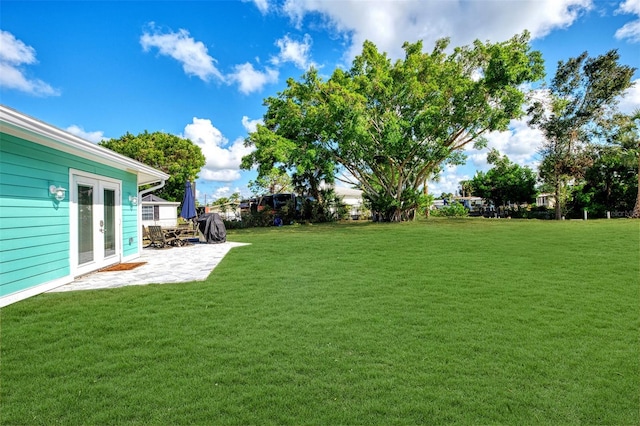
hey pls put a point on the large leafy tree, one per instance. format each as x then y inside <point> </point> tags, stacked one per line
<point>623,136</point>
<point>610,183</point>
<point>388,127</point>
<point>505,182</point>
<point>289,143</point>
<point>582,92</point>
<point>178,157</point>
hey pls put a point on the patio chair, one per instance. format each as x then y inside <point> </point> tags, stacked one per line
<point>159,239</point>
<point>146,240</point>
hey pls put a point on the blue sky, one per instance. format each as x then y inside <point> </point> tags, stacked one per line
<point>201,69</point>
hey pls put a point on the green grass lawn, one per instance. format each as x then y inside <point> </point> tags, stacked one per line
<point>437,322</point>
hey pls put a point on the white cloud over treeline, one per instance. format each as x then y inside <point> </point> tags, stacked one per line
<point>222,158</point>
<point>389,23</point>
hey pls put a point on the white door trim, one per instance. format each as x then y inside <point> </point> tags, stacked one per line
<point>102,182</point>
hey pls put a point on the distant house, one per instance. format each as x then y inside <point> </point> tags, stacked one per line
<point>474,204</point>
<point>228,211</point>
<point>546,199</point>
<point>353,199</point>
<point>437,204</point>
<point>67,206</point>
<point>156,211</point>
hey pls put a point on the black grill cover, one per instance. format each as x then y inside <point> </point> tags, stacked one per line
<point>212,227</point>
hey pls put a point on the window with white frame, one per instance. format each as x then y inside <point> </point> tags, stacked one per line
<point>147,212</point>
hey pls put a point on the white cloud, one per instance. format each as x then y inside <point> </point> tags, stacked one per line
<point>630,6</point>
<point>297,52</point>
<point>630,30</point>
<point>630,100</point>
<point>448,182</point>
<point>193,55</point>
<point>389,23</point>
<point>195,60</point>
<point>251,125</point>
<point>251,80</point>
<point>222,159</point>
<point>94,137</point>
<point>14,55</point>
<point>14,51</point>
<point>216,192</point>
<point>223,191</point>
<point>520,143</point>
<point>262,5</point>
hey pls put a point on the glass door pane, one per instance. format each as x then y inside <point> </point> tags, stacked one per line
<point>109,222</point>
<point>85,224</point>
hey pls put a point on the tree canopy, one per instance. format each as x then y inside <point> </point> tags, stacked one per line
<point>274,182</point>
<point>623,137</point>
<point>609,184</point>
<point>582,93</point>
<point>387,127</point>
<point>178,157</point>
<point>505,182</point>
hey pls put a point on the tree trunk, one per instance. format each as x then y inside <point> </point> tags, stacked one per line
<point>558,206</point>
<point>425,191</point>
<point>396,216</point>
<point>636,209</point>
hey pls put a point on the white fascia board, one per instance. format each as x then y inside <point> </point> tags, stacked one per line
<point>160,203</point>
<point>22,126</point>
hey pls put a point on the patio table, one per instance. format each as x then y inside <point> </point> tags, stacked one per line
<point>181,235</point>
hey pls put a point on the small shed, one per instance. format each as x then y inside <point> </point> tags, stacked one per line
<point>156,211</point>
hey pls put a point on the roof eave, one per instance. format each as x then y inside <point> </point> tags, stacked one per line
<point>25,127</point>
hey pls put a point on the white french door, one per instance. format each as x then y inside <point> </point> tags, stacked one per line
<point>96,223</point>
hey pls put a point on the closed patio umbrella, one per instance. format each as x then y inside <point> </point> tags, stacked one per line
<point>188,210</point>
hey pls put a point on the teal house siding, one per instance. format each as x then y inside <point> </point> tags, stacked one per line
<point>36,230</point>
<point>34,226</point>
<point>130,232</point>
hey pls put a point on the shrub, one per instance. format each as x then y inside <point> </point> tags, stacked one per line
<point>452,210</point>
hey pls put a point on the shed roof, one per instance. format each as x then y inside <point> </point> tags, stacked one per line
<point>348,192</point>
<point>154,199</point>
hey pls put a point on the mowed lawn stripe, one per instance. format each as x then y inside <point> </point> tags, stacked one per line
<point>438,322</point>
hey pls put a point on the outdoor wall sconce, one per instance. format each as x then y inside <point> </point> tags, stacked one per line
<point>133,200</point>
<point>58,192</point>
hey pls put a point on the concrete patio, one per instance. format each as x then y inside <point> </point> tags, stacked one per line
<point>170,265</point>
